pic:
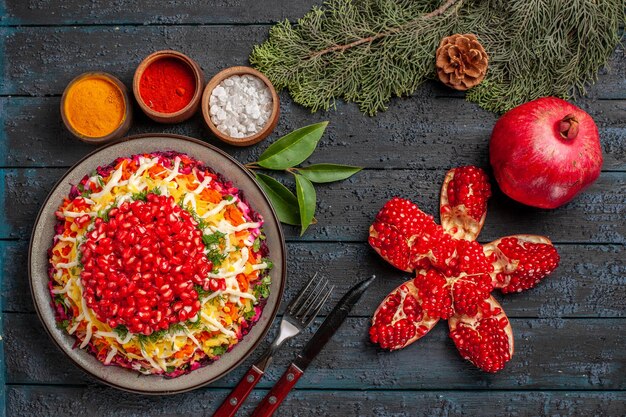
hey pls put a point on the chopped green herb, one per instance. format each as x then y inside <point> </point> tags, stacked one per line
<point>63,324</point>
<point>201,223</point>
<point>229,197</point>
<point>269,263</point>
<point>58,298</point>
<point>100,181</point>
<point>219,350</point>
<point>170,369</point>
<point>195,324</point>
<point>153,337</point>
<point>83,192</point>
<point>216,257</point>
<point>248,315</point>
<point>121,331</point>
<point>201,291</point>
<point>104,213</point>
<point>176,328</point>
<point>141,195</point>
<point>256,246</point>
<point>262,289</point>
<point>215,238</point>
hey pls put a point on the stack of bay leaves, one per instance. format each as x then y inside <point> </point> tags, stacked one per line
<point>286,154</point>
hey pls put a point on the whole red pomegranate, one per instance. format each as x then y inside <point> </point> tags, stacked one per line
<point>544,152</point>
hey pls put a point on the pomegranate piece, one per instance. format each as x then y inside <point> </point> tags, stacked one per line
<point>444,296</point>
<point>455,275</point>
<point>521,261</point>
<point>407,237</point>
<point>140,266</point>
<point>463,204</point>
<point>400,320</point>
<point>434,291</point>
<point>486,338</point>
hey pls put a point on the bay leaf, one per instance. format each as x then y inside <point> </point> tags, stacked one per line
<point>307,200</point>
<point>321,173</point>
<point>293,148</point>
<point>283,200</point>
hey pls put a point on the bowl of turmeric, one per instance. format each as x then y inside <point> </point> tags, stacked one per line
<point>96,108</point>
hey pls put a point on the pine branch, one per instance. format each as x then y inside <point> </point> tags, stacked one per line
<point>341,48</point>
<point>367,51</point>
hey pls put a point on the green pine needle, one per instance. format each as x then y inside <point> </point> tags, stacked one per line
<point>367,51</point>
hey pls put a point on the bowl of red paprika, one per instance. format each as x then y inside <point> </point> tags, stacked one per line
<point>168,86</point>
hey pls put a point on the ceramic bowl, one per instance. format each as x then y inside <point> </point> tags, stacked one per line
<point>206,108</point>
<point>187,111</point>
<point>121,130</point>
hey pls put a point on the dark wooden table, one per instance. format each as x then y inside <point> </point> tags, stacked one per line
<point>570,332</point>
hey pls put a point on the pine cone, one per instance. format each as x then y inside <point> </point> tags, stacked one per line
<point>461,61</point>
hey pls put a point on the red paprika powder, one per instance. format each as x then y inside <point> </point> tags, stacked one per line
<point>167,85</point>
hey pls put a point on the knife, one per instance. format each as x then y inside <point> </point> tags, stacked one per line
<point>327,329</point>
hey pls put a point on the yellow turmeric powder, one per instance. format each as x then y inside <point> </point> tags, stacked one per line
<point>94,107</point>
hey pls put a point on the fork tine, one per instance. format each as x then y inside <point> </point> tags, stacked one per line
<point>302,302</point>
<point>311,300</point>
<point>319,287</point>
<point>295,302</point>
<point>319,306</point>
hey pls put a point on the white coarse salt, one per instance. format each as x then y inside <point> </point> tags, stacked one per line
<point>240,106</point>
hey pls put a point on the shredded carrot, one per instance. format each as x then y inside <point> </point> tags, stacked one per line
<point>156,172</point>
<point>234,215</point>
<point>186,351</point>
<point>129,170</point>
<point>211,196</point>
<point>243,282</point>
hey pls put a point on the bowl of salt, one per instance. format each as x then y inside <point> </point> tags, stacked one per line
<point>240,106</point>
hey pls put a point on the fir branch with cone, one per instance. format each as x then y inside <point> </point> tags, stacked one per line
<point>367,51</point>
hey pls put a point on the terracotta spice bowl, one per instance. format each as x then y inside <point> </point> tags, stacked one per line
<point>187,111</point>
<point>248,140</point>
<point>125,122</point>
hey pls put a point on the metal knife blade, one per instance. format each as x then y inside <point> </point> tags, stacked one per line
<point>333,321</point>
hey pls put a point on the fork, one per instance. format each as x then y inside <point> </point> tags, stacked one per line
<point>299,314</point>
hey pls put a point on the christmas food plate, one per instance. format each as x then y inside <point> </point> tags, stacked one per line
<point>157,264</point>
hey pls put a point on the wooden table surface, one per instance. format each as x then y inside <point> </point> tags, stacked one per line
<point>570,332</point>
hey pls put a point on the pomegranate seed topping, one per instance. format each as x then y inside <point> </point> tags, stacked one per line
<point>128,266</point>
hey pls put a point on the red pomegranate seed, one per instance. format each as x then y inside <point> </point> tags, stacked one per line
<point>134,270</point>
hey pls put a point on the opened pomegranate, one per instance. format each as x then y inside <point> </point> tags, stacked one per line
<point>544,152</point>
<point>455,275</point>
